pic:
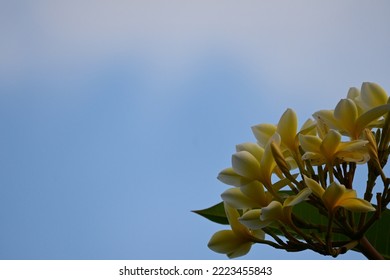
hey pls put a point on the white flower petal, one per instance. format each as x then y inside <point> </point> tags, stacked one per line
<point>235,198</point>
<point>298,198</point>
<point>346,113</point>
<point>251,220</point>
<point>373,95</point>
<point>314,186</point>
<point>310,143</point>
<point>273,211</point>
<point>230,177</point>
<point>263,132</point>
<point>252,148</point>
<point>287,128</point>
<point>245,164</point>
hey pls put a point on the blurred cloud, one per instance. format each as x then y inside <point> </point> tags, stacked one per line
<point>269,37</point>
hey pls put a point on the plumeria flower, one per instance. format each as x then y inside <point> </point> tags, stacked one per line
<point>230,177</point>
<point>246,161</point>
<point>371,95</point>
<point>250,163</point>
<point>275,211</point>
<point>237,241</point>
<point>337,195</point>
<point>252,170</point>
<point>248,196</point>
<point>360,110</point>
<point>263,132</point>
<point>286,128</point>
<point>331,148</point>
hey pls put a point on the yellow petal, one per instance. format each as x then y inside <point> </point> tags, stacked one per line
<point>282,183</point>
<point>263,132</point>
<point>287,128</point>
<point>330,144</point>
<point>298,198</point>
<point>314,186</point>
<point>370,118</point>
<point>274,211</point>
<point>255,190</point>
<point>267,162</point>
<point>357,205</point>
<point>233,215</point>
<point>373,95</point>
<point>354,151</point>
<point>230,177</point>
<point>308,128</point>
<point>358,157</point>
<point>352,146</point>
<point>246,165</point>
<point>235,198</point>
<point>353,93</point>
<point>227,242</point>
<point>251,219</point>
<point>346,114</point>
<point>310,143</point>
<point>327,117</point>
<point>336,193</point>
<point>315,158</point>
<point>258,234</point>
<point>240,251</point>
<point>252,148</point>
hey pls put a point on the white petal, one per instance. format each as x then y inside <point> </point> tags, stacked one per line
<point>226,242</point>
<point>245,164</point>
<point>330,144</point>
<point>252,148</point>
<point>346,113</point>
<point>287,128</point>
<point>251,220</point>
<point>314,186</point>
<point>263,132</point>
<point>310,143</point>
<point>373,95</point>
<point>273,211</point>
<point>229,177</point>
<point>357,205</point>
<point>255,190</point>
<point>327,117</point>
<point>235,198</point>
<point>298,198</point>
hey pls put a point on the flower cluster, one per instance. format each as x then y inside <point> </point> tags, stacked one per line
<point>289,175</point>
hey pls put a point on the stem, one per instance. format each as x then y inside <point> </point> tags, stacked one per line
<point>372,176</point>
<point>351,174</point>
<point>322,177</point>
<point>368,250</point>
<point>328,237</point>
<point>330,170</point>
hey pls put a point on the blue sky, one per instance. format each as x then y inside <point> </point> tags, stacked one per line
<point>116,116</point>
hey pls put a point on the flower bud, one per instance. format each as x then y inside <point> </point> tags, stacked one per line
<point>279,158</point>
<point>372,148</point>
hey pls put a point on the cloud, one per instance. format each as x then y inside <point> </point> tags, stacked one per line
<point>300,44</point>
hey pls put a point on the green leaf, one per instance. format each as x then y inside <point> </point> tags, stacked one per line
<point>379,234</point>
<point>214,213</point>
